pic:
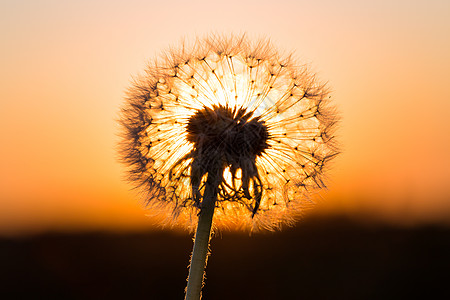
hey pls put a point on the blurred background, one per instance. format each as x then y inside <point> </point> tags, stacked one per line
<point>70,227</point>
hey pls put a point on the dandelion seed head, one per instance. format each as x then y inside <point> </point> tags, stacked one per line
<point>232,105</point>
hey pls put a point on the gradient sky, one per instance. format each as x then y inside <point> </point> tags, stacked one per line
<point>64,67</point>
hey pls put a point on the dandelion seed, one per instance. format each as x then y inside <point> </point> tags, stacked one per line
<point>229,127</point>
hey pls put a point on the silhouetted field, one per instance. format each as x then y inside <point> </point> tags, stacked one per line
<point>318,259</point>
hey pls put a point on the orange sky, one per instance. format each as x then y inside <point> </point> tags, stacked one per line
<point>65,67</point>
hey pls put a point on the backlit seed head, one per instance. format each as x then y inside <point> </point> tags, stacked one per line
<point>229,105</point>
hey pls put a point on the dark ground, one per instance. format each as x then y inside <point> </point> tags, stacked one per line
<point>318,259</point>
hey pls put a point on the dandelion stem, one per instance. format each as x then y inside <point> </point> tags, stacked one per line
<point>201,243</point>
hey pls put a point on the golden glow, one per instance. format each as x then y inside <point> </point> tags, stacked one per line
<point>65,65</point>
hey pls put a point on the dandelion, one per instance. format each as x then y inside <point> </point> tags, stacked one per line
<point>230,129</point>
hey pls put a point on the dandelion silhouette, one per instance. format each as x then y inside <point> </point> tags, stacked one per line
<point>226,128</point>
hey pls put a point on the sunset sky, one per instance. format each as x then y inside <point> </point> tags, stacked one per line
<point>65,66</point>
